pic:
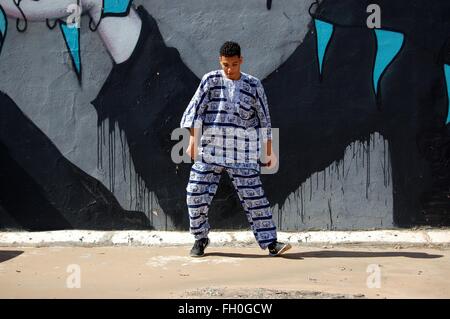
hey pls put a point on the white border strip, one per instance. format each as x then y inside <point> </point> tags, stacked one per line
<point>167,238</point>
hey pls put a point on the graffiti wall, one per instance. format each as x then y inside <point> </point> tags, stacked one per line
<point>91,90</point>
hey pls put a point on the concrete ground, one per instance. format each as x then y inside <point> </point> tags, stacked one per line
<point>239,271</point>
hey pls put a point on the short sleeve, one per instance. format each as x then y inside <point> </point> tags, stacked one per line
<point>193,115</point>
<point>262,109</point>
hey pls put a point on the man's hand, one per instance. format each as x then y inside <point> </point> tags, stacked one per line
<point>270,159</point>
<point>192,149</point>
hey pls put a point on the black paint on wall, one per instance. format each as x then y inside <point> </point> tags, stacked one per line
<point>413,104</point>
<point>41,190</point>
<point>426,23</point>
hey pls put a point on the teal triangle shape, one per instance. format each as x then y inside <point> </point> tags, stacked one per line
<point>72,39</point>
<point>324,31</point>
<point>115,7</point>
<point>389,44</point>
<point>3,27</point>
<point>3,21</point>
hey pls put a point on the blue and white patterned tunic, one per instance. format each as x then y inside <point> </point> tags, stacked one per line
<point>234,117</point>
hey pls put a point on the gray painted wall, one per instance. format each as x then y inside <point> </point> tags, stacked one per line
<point>36,73</point>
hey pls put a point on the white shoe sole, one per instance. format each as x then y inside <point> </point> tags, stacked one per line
<point>285,248</point>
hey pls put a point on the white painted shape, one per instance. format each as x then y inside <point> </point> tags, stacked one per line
<point>161,238</point>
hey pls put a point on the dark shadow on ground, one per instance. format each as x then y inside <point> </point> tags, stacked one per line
<point>9,254</point>
<point>357,254</point>
<point>329,254</point>
<point>237,255</point>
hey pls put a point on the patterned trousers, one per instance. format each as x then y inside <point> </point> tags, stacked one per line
<point>203,182</point>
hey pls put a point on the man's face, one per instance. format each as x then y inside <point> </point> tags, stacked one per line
<point>231,66</point>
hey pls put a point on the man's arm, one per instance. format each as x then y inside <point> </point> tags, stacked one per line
<point>268,145</point>
<point>192,116</point>
<point>269,157</point>
<point>192,149</point>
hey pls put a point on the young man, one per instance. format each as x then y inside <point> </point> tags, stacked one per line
<point>230,107</point>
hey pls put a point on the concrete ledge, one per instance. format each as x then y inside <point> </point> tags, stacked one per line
<point>170,238</point>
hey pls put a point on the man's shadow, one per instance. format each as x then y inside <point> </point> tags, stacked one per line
<point>330,254</point>
<point>9,254</point>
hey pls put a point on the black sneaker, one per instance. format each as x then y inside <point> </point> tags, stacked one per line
<point>276,248</point>
<point>198,249</point>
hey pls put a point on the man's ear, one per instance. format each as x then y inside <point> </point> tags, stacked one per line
<point>241,59</point>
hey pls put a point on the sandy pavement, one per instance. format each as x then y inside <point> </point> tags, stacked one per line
<point>225,272</point>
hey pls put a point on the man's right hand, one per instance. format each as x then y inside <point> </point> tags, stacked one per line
<point>192,149</point>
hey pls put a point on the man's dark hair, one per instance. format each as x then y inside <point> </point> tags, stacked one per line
<point>230,49</point>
